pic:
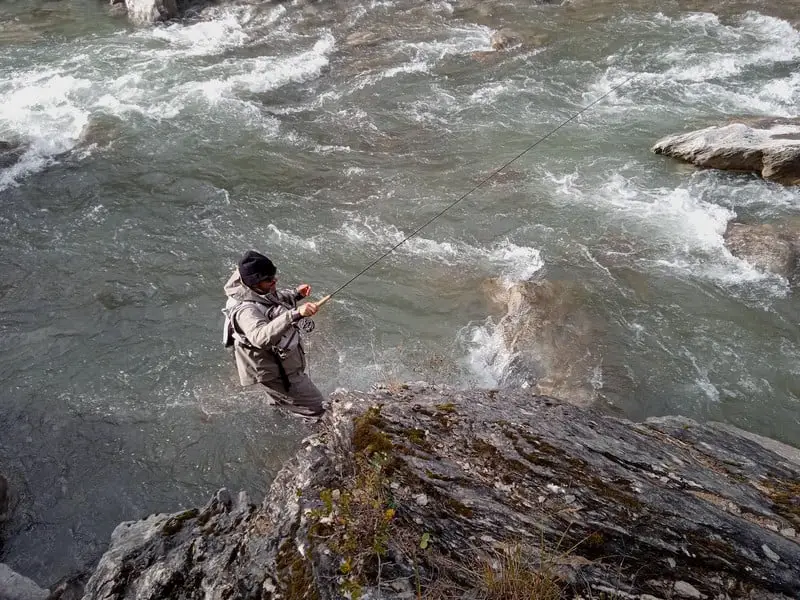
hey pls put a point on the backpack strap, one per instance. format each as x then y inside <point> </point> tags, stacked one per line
<point>230,331</point>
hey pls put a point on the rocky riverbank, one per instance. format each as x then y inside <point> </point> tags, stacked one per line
<point>422,491</point>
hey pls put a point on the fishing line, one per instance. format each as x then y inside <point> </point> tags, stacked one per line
<point>476,187</point>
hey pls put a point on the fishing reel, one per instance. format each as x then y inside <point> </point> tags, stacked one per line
<point>306,325</point>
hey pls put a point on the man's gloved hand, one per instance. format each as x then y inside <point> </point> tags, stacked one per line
<point>304,290</point>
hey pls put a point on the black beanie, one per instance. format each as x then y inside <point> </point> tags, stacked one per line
<point>255,268</point>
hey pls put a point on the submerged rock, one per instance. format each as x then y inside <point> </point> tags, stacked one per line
<point>769,147</point>
<point>430,492</point>
<point>101,130</point>
<point>552,339</point>
<point>504,38</point>
<point>361,39</point>
<point>774,248</point>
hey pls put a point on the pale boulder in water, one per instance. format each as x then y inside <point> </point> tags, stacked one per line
<point>767,146</point>
<point>150,11</point>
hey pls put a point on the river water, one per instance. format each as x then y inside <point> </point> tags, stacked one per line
<point>269,126</point>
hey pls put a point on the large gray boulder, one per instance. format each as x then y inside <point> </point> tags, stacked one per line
<point>429,492</point>
<point>773,248</point>
<point>767,146</point>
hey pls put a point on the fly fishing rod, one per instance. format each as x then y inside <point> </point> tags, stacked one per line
<point>494,173</point>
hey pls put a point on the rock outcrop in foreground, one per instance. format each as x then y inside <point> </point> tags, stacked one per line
<point>422,492</point>
<point>766,146</point>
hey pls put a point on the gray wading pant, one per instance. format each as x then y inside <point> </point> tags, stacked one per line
<point>303,397</point>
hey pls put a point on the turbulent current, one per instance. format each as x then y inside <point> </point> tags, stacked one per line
<point>145,160</point>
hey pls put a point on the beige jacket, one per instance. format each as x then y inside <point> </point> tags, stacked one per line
<point>256,324</point>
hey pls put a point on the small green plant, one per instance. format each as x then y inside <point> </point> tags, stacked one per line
<point>357,521</point>
<point>425,540</point>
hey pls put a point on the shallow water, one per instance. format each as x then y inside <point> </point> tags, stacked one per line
<point>261,125</point>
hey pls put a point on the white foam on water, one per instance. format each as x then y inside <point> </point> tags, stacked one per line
<point>462,40</point>
<point>376,234</point>
<point>702,381</point>
<point>202,38</point>
<point>703,70</point>
<point>285,238</point>
<point>486,355</point>
<point>679,219</point>
<point>218,30</point>
<point>415,66</point>
<point>267,73</point>
<point>422,56</point>
<point>491,92</point>
<point>257,75</point>
<point>512,262</point>
<point>41,110</point>
<point>517,263</point>
<point>151,71</point>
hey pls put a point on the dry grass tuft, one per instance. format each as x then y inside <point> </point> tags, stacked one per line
<point>512,574</point>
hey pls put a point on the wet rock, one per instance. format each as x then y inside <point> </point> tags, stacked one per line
<point>117,8</point>
<point>14,586</point>
<point>10,153</point>
<point>769,147</point>
<point>504,38</point>
<point>362,39</point>
<point>495,468</point>
<point>773,248</point>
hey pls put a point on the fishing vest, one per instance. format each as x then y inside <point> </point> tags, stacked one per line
<point>291,339</point>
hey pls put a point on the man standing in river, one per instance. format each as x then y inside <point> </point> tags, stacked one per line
<point>265,326</point>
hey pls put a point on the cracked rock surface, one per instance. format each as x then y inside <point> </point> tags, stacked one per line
<point>425,490</point>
